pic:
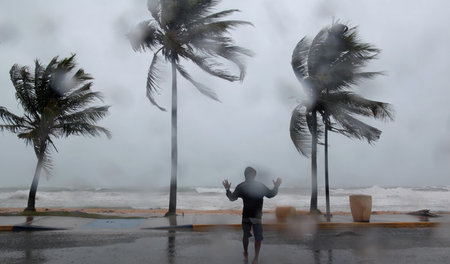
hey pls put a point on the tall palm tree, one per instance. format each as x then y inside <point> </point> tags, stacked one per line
<point>55,100</point>
<point>187,30</point>
<point>329,68</point>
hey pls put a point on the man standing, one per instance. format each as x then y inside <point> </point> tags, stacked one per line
<point>252,193</point>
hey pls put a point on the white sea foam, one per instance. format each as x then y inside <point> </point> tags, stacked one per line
<point>19,195</point>
<point>383,199</point>
<point>209,190</point>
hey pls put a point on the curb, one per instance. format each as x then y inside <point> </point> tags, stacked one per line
<point>198,227</point>
<point>174,227</point>
<point>206,227</point>
<point>35,228</point>
<point>29,228</point>
<point>6,228</point>
<point>380,224</point>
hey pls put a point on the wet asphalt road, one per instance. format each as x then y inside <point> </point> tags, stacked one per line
<point>376,245</point>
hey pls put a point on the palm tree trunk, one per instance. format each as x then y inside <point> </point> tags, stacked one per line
<point>33,189</point>
<point>327,189</point>
<point>313,205</point>
<point>174,167</point>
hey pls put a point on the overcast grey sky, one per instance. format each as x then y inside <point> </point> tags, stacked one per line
<point>251,125</point>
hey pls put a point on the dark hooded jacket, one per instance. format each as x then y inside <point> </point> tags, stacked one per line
<point>252,193</point>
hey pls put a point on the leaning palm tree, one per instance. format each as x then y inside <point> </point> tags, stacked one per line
<point>56,103</point>
<point>187,30</point>
<point>329,68</point>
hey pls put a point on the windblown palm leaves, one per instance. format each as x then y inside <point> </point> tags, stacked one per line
<point>56,101</point>
<point>329,67</point>
<point>189,30</point>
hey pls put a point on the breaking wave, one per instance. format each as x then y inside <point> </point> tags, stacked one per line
<point>213,198</point>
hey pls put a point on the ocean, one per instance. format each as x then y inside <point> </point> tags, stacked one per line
<point>400,199</point>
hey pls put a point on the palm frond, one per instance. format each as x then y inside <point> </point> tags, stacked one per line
<point>45,80</point>
<point>219,45</point>
<point>153,78</point>
<point>215,16</point>
<point>348,79</point>
<point>82,129</point>
<point>16,129</point>
<point>354,56</point>
<point>199,8</point>
<point>155,10</point>
<point>234,54</point>
<point>176,13</point>
<point>299,59</point>
<point>146,35</point>
<point>168,12</point>
<point>40,78</point>
<point>204,31</point>
<point>67,64</point>
<point>84,89</point>
<point>78,78</point>
<point>354,128</point>
<point>200,87</point>
<point>327,48</point>
<point>368,75</point>
<point>316,51</point>
<point>52,81</point>
<point>23,83</point>
<point>346,72</point>
<point>356,104</point>
<point>299,131</point>
<point>90,115</point>
<point>223,47</point>
<point>11,118</point>
<point>210,66</point>
<point>353,43</point>
<point>27,136</point>
<point>336,55</point>
<point>79,99</point>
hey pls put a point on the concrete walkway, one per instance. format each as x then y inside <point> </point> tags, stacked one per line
<point>204,222</point>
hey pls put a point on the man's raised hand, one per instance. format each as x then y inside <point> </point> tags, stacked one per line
<point>277,183</point>
<point>226,184</point>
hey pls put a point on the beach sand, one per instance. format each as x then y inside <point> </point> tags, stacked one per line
<point>128,212</point>
<point>139,212</point>
<point>120,211</point>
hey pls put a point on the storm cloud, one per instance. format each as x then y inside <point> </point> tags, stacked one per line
<point>251,124</point>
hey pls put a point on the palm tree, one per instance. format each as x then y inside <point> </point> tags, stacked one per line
<point>55,100</point>
<point>187,30</point>
<point>329,67</point>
